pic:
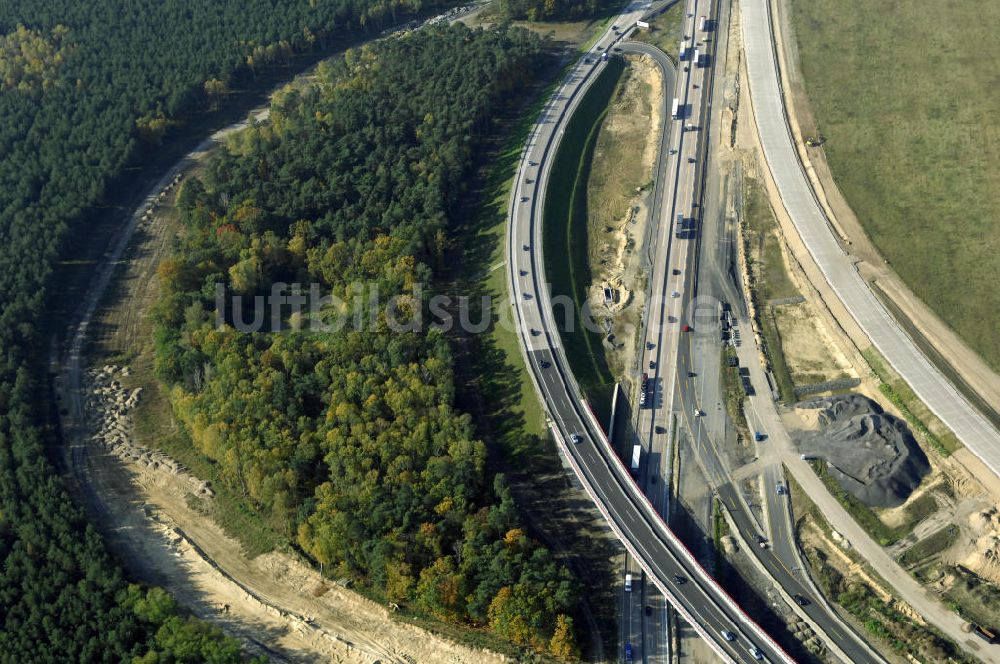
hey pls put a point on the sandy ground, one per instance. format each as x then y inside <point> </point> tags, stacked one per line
<point>618,223</point>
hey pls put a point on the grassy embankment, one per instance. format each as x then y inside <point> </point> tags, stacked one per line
<point>908,107</point>
<point>868,518</point>
<point>665,30</point>
<point>925,425</point>
<point>567,261</point>
<point>769,278</point>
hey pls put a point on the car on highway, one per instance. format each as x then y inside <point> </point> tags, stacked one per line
<point>677,271</point>
<point>780,488</point>
<point>675,294</point>
<point>534,332</point>
<point>524,273</point>
<point>527,247</point>
<point>652,364</point>
<point>686,328</point>
<point>650,345</point>
<point>691,374</point>
<point>544,364</point>
<point>628,652</point>
<point>699,413</point>
<point>642,398</point>
<point>758,436</point>
<point>527,296</point>
<point>679,580</point>
<point>628,583</point>
<point>524,199</point>
<point>800,600</point>
<point>649,610</point>
<point>727,635</point>
<point>755,652</point>
<point>575,438</point>
<point>761,541</point>
<point>659,429</point>
<point>532,163</point>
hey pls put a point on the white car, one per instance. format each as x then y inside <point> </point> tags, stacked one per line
<point>727,635</point>
<point>755,652</point>
<point>675,294</point>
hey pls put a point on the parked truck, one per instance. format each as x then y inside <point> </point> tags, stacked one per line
<point>683,52</point>
<point>679,229</point>
<point>675,110</point>
<point>702,23</point>
<point>696,58</point>
<point>636,453</point>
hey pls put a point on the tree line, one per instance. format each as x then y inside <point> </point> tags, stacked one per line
<point>85,89</point>
<point>347,440</point>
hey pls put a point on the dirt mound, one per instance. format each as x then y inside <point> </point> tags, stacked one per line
<point>873,455</point>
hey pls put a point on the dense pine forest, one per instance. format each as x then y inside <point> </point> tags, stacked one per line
<point>552,10</point>
<point>86,89</point>
<point>347,439</point>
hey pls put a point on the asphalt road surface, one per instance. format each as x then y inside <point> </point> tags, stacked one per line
<point>663,558</point>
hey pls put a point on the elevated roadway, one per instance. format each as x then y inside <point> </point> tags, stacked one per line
<point>663,558</point>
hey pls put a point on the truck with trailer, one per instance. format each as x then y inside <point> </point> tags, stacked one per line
<point>636,454</point>
<point>675,109</point>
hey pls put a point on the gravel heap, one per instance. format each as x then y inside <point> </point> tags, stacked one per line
<point>872,454</point>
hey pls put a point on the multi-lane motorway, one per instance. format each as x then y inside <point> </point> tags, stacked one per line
<point>668,565</point>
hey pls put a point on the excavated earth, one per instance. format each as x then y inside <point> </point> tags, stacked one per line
<point>871,453</point>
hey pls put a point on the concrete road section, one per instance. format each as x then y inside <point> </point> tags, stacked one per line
<point>933,388</point>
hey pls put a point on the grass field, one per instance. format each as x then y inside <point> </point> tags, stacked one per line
<point>665,30</point>
<point>770,278</point>
<point>906,95</point>
<point>567,260</point>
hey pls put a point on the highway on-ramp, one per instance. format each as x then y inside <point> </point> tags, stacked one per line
<point>667,563</point>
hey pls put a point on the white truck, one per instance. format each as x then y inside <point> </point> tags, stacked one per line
<point>636,453</point>
<point>683,52</point>
<point>675,111</point>
<point>702,22</point>
<point>696,58</point>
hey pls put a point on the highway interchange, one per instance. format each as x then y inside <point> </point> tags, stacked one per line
<point>670,357</point>
<point>665,560</point>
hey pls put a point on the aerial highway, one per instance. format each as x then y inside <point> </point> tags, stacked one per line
<point>798,198</point>
<point>686,270</point>
<point>664,559</point>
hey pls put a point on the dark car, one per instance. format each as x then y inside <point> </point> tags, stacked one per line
<point>649,610</point>
<point>800,600</point>
<point>544,364</point>
<point>678,579</point>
